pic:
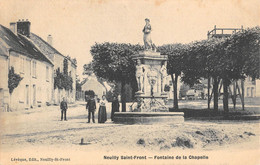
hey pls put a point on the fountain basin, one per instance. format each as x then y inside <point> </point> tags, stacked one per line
<point>148,117</point>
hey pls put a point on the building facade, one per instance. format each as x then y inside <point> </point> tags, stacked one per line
<point>58,60</point>
<point>36,62</point>
<point>31,65</point>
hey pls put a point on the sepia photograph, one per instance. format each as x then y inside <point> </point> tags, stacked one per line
<point>93,82</point>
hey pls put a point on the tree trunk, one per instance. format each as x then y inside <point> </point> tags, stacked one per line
<point>242,95</point>
<point>174,85</point>
<point>123,96</point>
<point>215,91</point>
<point>225,96</point>
<point>234,98</point>
<point>209,93</point>
<point>175,100</point>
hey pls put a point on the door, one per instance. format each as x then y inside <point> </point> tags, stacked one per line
<point>34,95</point>
<point>27,96</point>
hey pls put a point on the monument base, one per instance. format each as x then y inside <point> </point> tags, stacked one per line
<point>146,103</point>
<point>148,117</point>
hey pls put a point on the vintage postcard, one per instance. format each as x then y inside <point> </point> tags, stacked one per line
<point>129,82</point>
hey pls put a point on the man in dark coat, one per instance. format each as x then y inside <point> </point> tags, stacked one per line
<point>91,106</point>
<point>63,107</point>
<point>115,107</point>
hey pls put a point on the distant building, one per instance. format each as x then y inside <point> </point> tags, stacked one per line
<point>198,91</point>
<point>257,85</point>
<point>17,51</point>
<point>93,83</point>
<point>250,87</point>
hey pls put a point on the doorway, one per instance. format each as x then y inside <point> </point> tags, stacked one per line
<point>27,96</point>
<point>34,95</point>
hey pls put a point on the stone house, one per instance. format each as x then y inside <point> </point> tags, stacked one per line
<point>36,61</point>
<point>17,51</point>
<point>57,59</point>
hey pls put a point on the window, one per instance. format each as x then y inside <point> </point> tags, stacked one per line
<point>34,69</point>
<point>47,73</point>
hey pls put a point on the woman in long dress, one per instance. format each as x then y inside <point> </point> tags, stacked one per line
<point>102,113</point>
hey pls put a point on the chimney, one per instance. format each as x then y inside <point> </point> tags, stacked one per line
<point>13,27</point>
<point>23,27</point>
<point>49,39</point>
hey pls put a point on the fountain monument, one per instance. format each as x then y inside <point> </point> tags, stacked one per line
<point>151,72</point>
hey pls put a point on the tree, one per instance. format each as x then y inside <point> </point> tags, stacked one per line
<point>214,64</point>
<point>78,84</point>
<point>175,54</point>
<point>242,53</point>
<point>65,66</point>
<point>58,79</point>
<point>113,62</point>
<point>211,52</point>
<point>204,59</point>
<point>245,45</point>
<point>62,81</point>
<point>229,59</point>
<point>13,80</point>
<point>88,69</point>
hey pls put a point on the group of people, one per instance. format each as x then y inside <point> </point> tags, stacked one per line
<point>91,107</point>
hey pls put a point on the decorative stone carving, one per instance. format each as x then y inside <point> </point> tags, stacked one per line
<point>163,72</point>
<point>152,76</point>
<point>140,72</point>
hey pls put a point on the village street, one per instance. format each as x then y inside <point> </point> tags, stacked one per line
<point>37,130</point>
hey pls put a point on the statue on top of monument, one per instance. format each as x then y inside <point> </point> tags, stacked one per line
<point>148,44</point>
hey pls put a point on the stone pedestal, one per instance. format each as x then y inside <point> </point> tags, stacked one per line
<point>151,78</point>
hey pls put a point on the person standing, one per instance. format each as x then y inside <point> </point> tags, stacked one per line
<point>91,106</point>
<point>102,113</point>
<point>115,107</point>
<point>63,107</point>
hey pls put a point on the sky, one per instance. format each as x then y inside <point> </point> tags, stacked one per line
<point>76,25</point>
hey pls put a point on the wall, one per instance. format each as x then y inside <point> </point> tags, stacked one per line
<point>4,91</point>
<point>34,89</point>
<point>250,87</point>
<point>257,88</point>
